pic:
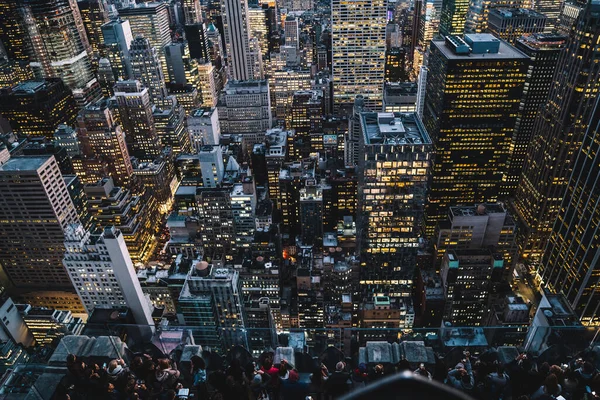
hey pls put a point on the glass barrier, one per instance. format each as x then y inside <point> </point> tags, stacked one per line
<point>304,350</point>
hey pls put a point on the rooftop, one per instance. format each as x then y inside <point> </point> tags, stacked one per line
<point>476,46</point>
<point>516,13</point>
<point>25,163</point>
<point>393,129</point>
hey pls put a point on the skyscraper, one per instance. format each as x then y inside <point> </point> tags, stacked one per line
<point>117,38</point>
<point>102,272</point>
<point>36,209</point>
<point>472,137</point>
<point>13,32</point>
<point>60,46</point>
<point>543,50</point>
<point>38,107</point>
<point>146,67</point>
<point>102,138</point>
<point>93,15</point>
<point>511,23</point>
<point>358,37</point>
<point>149,20</point>
<point>559,129</point>
<point>135,111</point>
<point>571,259</point>
<point>237,40</point>
<point>396,165</point>
<point>454,17</point>
<point>292,32</point>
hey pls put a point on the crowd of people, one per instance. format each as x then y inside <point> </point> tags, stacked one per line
<point>160,379</point>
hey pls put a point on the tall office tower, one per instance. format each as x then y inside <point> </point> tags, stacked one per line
<point>400,97</point>
<point>259,29</point>
<point>170,127</point>
<point>352,138</point>
<point>36,210</point>
<point>216,218</point>
<point>543,50</point>
<point>430,26</point>
<point>36,108</point>
<point>468,277</point>
<point>132,215</point>
<point>243,207</point>
<point>106,77</point>
<point>478,227</point>
<point>358,40</point>
<point>395,65</point>
<point>511,23</point>
<point>182,68</point>
<point>275,155</point>
<point>101,138</point>
<point>66,138</point>
<point>311,215</point>
<point>151,21</point>
<point>117,42</point>
<point>60,46</point>
<point>13,72</point>
<point>135,112</point>
<point>571,257</point>
<point>237,39</point>
<point>13,32</point>
<point>306,113</point>
<point>551,9</point>
<point>559,129</point>
<point>292,31</point>
<point>192,12</point>
<point>245,108</point>
<point>102,272</point>
<point>207,84</point>
<point>94,14</point>
<point>197,41</point>
<point>568,16</point>
<point>421,86</point>
<point>284,83</point>
<point>465,174</point>
<point>453,17</point>
<point>203,127</point>
<point>211,165</point>
<point>146,67</point>
<point>211,302</point>
<point>478,15</point>
<point>395,169</point>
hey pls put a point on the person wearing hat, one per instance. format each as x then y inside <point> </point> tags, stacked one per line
<point>360,376</point>
<point>337,384</point>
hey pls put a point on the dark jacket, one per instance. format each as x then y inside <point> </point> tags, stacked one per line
<point>337,383</point>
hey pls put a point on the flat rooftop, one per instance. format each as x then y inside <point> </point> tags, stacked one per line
<point>393,129</point>
<point>505,50</point>
<point>24,163</point>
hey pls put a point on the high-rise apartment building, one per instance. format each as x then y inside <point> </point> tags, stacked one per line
<point>207,84</point>
<point>478,15</point>
<point>358,40</point>
<point>472,145</point>
<point>284,83</point>
<point>243,207</point>
<point>511,23</point>
<point>101,138</point>
<point>102,272</point>
<point>169,120</point>
<point>559,129</point>
<point>395,167</point>
<point>38,107</point>
<point>135,112</point>
<point>259,28</point>
<point>543,50</point>
<point>429,26</point>
<point>36,209</point>
<point>551,9</point>
<point>216,216</point>
<point>13,32</point>
<point>146,67</point>
<point>60,46</point>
